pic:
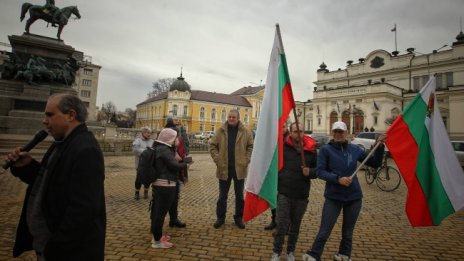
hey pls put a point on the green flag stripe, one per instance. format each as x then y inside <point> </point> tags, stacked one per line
<point>426,171</point>
<point>269,186</point>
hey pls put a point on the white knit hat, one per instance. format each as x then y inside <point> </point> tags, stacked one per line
<point>167,136</point>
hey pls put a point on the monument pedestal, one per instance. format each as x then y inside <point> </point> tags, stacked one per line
<point>22,104</point>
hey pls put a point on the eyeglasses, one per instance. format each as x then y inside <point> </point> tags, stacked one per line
<point>338,131</point>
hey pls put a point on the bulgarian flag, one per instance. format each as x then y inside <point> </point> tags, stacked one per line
<point>267,157</point>
<point>420,146</point>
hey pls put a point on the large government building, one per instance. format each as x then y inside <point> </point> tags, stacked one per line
<point>371,92</point>
<point>199,111</point>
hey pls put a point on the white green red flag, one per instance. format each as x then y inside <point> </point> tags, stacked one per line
<point>267,157</point>
<point>420,146</point>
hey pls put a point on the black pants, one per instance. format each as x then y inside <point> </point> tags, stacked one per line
<point>290,212</point>
<point>173,212</point>
<point>224,186</point>
<point>162,201</point>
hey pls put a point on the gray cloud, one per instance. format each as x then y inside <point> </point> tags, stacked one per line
<point>225,45</point>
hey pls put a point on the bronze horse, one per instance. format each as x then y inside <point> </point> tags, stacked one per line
<point>37,12</point>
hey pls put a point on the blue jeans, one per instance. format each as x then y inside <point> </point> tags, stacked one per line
<point>224,186</point>
<point>330,212</point>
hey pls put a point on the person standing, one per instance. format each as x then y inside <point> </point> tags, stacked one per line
<point>336,162</point>
<point>164,188</point>
<point>231,148</point>
<point>64,213</point>
<point>293,189</point>
<point>181,153</point>
<point>138,146</point>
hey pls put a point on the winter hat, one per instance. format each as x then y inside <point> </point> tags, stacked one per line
<point>167,136</point>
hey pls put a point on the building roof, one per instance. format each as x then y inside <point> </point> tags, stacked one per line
<point>248,90</point>
<point>220,98</point>
<point>206,97</point>
<point>180,84</point>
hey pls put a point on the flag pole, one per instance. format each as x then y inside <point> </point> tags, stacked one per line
<point>297,124</point>
<point>367,157</point>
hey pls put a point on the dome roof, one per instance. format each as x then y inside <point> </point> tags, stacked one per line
<point>180,85</point>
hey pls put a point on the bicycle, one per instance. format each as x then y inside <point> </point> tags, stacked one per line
<point>386,177</point>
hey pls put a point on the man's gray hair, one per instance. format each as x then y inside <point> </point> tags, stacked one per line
<point>236,112</point>
<point>72,102</point>
<point>146,129</point>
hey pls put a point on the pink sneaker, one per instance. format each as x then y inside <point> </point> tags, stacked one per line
<point>162,244</point>
<point>163,238</point>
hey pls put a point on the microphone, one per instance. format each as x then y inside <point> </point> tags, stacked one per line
<point>39,136</point>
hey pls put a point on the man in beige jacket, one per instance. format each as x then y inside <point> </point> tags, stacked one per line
<point>231,148</point>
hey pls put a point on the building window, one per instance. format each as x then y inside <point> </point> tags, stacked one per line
<point>202,113</point>
<point>425,79</point>
<point>375,120</point>
<point>213,114</point>
<point>88,71</point>
<point>174,110</point>
<point>318,121</point>
<point>185,110</point>
<point>86,82</point>
<point>246,118</point>
<point>449,79</point>
<point>223,115</point>
<point>416,83</point>
<point>85,93</point>
<point>439,79</point>
<point>359,100</point>
<point>202,127</point>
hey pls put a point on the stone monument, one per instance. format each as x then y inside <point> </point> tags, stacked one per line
<point>36,68</point>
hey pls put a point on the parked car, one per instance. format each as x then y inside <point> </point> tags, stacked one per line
<point>198,135</point>
<point>365,140</point>
<point>458,147</point>
<point>208,134</point>
<point>321,140</point>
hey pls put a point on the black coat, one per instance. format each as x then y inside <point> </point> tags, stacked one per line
<point>73,202</point>
<point>292,183</point>
<point>165,163</point>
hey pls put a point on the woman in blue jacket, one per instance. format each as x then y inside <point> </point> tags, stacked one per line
<point>336,162</point>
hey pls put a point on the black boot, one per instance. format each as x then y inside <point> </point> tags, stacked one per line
<point>239,223</point>
<point>271,225</point>
<point>177,223</point>
<point>137,195</point>
<point>219,222</point>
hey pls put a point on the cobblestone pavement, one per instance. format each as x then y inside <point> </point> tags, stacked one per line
<point>382,232</point>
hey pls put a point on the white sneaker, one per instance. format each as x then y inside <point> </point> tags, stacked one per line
<point>340,257</point>
<point>290,257</point>
<point>162,244</point>
<point>275,257</point>
<point>307,257</point>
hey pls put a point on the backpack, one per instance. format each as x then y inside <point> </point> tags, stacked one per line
<point>146,172</point>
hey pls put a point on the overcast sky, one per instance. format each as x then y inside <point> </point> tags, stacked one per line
<point>224,45</point>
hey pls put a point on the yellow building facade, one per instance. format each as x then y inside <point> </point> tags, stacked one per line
<point>199,111</point>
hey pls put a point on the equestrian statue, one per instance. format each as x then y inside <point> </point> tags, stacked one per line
<point>49,13</point>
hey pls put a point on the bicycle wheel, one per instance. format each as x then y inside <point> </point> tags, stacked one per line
<point>370,174</point>
<point>388,178</point>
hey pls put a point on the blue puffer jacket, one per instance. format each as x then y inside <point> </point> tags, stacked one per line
<point>337,160</point>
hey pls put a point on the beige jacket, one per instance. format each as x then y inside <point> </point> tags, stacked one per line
<point>243,148</point>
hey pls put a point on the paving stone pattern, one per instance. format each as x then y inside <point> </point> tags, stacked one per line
<point>382,233</point>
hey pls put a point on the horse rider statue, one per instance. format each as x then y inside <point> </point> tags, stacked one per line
<point>52,10</point>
